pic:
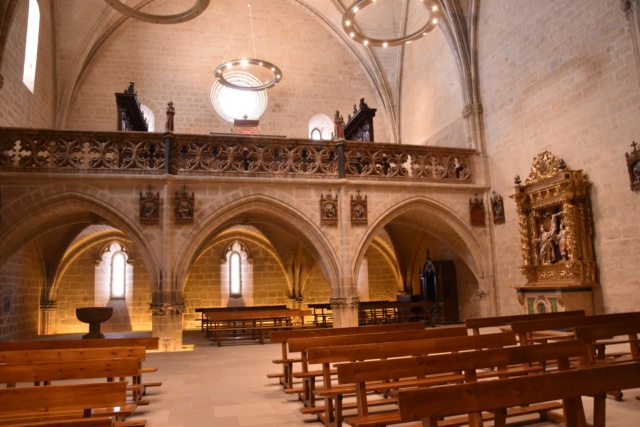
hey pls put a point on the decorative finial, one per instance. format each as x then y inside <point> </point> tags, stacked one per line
<point>517,180</point>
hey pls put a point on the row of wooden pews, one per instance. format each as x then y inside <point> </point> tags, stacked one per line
<point>74,382</point>
<point>379,372</point>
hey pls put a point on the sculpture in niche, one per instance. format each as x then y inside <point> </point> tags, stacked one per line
<point>329,208</point>
<point>184,206</point>
<point>633,166</point>
<point>554,216</point>
<point>359,211</point>
<point>497,207</point>
<point>476,211</point>
<point>149,207</point>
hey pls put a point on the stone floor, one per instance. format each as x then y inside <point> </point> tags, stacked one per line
<point>227,386</point>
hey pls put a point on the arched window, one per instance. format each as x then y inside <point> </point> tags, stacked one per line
<point>316,134</point>
<point>149,117</point>
<point>232,103</point>
<point>320,127</point>
<point>235,275</point>
<point>117,273</point>
<point>31,49</point>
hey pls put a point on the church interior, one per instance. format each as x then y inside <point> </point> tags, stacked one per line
<point>503,148</point>
<point>164,162</point>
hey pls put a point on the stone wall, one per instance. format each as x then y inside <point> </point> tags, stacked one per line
<point>20,107</point>
<point>560,76</point>
<point>21,280</point>
<point>169,62</point>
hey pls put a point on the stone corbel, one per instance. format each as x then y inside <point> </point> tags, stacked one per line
<point>469,109</point>
<point>337,303</point>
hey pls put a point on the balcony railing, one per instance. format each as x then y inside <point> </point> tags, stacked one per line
<point>44,150</point>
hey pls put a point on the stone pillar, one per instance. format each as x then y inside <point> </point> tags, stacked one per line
<point>345,311</point>
<point>48,318</point>
<point>472,114</point>
<point>631,8</point>
<point>167,325</point>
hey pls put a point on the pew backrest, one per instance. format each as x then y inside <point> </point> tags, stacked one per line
<point>283,336</point>
<point>63,397</point>
<point>527,328</point>
<point>301,344</point>
<point>73,354</point>
<point>68,370</point>
<point>486,322</point>
<point>433,403</point>
<point>592,337</point>
<point>348,353</point>
<point>150,343</point>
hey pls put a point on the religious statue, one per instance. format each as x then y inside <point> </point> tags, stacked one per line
<point>338,126</point>
<point>171,111</point>
<point>562,242</point>
<point>547,242</point>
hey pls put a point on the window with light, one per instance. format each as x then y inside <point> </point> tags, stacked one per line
<point>31,49</point>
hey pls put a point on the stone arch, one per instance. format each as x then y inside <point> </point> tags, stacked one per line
<point>68,208</point>
<point>447,226</point>
<point>266,210</point>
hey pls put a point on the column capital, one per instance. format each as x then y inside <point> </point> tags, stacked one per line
<point>167,309</point>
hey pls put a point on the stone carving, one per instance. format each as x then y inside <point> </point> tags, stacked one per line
<point>329,208</point>
<point>167,309</point>
<point>184,207</point>
<point>359,210</point>
<point>545,165</point>
<point>149,207</point>
<point>171,112</point>
<point>633,166</point>
<point>476,211</point>
<point>497,208</point>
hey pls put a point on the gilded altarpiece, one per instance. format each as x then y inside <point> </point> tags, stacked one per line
<point>556,230</point>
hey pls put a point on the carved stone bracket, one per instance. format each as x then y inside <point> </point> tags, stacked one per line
<point>167,309</point>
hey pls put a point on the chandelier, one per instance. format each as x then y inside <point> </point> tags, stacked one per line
<point>350,27</point>
<point>193,12</point>
<point>232,65</point>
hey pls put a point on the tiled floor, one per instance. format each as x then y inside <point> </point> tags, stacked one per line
<point>227,386</point>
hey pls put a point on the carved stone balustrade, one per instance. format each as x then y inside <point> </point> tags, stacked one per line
<point>45,150</point>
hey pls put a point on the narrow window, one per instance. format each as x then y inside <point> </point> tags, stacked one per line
<point>235,275</point>
<point>31,50</point>
<point>316,134</point>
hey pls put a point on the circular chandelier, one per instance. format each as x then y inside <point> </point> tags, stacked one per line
<point>349,26</point>
<point>229,65</point>
<point>193,12</point>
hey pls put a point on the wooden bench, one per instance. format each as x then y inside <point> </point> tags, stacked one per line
<point>425,371</point>
<point>149,343</point>
<point>83,354</point>
<point>282,337</point>
<point>535,331</point>
<point>79,422</point>
<point>432,404</point>
<point>21,405</point>
<point>302,345</point>
<point>326,356</point>
<point>595,340</point>
<point>256,322</point>
<point>203,310</point>
<point>495,322</point>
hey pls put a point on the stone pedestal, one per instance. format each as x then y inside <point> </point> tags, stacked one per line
<point>545,299</point>
<point>345,311</point>
<point>94,316</point>
<point>166,323</point>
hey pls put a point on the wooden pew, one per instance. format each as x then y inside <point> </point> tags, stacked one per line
<point>59,402</point>
<point>534,331</point>
<point>80,422</point>
<point>255,321</point>
<point>80,354</point>
<point>595,339</point>
<point>333,395</point>
<point>282,337</point>
<point>431,404</point>
<point>301,345</point>
<point>204,310</point>
<point>495,322</point>
<point>426,371</point>
<point>149,343</point>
